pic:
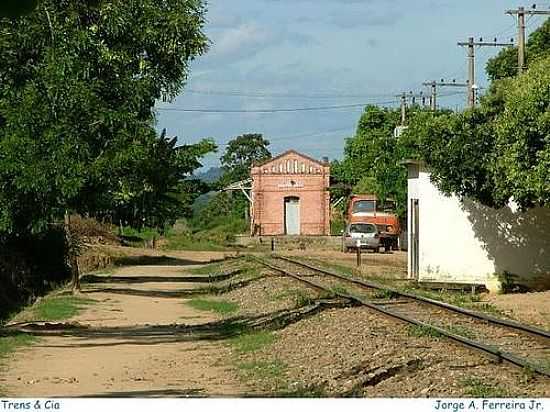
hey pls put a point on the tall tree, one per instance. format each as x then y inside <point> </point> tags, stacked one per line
<point>78,84</point>
<point>499,151</point>
<point>240,154</point>
<point>372,157</point>
<point>505,64</point>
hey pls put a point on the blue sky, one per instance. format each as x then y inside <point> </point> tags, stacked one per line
<point>279,54</point>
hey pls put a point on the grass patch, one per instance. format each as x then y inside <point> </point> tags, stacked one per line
<point>422,331</point>
<point>462,331</point>
<point>339,290</point>
<point>252,342</point>
<point>300,297</point>
<point>341,269</point>
<point>188,242</point>
<point>487,308</point>
<point>262,370</point>
<point>385,294</point>
<point>209,269</point>
<point>477,388</point>
<point>218,306</point>
<point>56,308</point>
<point>9,344</point>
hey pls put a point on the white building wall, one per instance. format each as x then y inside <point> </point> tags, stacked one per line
<point>465,242</point>
<point>449,249</point>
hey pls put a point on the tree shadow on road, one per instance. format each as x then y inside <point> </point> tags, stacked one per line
<point>176,294</point>
<point>159,279</point>
<point>144,260</point>
<point>161,334</point>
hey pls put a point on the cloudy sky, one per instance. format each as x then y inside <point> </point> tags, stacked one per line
<point>296,54</point>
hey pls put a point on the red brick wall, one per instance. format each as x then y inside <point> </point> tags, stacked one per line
<point>288,175</point>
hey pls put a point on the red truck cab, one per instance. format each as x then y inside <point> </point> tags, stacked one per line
<point>368,209</point>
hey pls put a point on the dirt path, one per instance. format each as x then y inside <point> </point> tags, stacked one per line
<point>126,365</point>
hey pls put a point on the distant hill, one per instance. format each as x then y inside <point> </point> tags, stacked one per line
<point>211,175</point>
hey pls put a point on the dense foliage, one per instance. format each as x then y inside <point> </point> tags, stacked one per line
<point>78,84</point>
<point>239,156</point>
<point>224,213</point>
<point>372,157</point>
<point>498,151</point>
<point>505,64</point>
<point>15,8</point>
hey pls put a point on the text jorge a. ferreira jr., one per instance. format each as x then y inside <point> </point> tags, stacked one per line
<point>473,405</point>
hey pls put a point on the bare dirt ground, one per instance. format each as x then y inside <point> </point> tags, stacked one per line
<point>527,307</point>
<point>127,365</point>
<point>390,265</point>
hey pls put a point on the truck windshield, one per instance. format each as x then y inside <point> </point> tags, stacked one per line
<point>362,228</point>
<point>363,206</point>
<point>388,206</point>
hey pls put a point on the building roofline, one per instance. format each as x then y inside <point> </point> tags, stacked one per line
<point>416,162</point>
<point>291,151</point>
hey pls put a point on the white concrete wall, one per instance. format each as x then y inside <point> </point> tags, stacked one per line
<point>465,242</point>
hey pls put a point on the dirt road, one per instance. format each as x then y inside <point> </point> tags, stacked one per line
<point>126,364</point>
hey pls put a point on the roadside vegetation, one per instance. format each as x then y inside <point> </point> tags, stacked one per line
<point>479,388</point>
<point>82,98</point>
<point>220,307</point>
<point>48,309</point>
<point>55,308</point>
<point>10,343</point>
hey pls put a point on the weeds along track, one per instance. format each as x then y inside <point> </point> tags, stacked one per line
<point>504,340</point>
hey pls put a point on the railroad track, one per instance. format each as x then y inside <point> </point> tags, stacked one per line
<point>503,340</point>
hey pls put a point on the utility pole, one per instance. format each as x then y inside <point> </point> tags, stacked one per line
<point>403,109</point>
<point>521,13</point>
<point>419,96</point>
<point>404,103</point>
<point>435,84</point>
<point>433,98</point>
<point>472,44</point>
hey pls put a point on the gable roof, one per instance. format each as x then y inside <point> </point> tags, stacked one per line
<point>288,152</point>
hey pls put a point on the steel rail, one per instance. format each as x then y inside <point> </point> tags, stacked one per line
<point>481,347</point>
<point>502,322</point>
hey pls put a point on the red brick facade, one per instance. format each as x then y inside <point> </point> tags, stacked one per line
<point>295,178</point>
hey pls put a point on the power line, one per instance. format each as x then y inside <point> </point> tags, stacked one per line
<point>261,95</point>
<point>303,135</point>
<point>281,110</point>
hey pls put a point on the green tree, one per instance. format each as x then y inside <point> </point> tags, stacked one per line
<point>159,190</point>
<point>505,64</point>
<point>239,156</point>
<point>78,84</point>
<point>498,151</point>
<point>372,157</point>
<point>523,139</point>
<point>16,8</point>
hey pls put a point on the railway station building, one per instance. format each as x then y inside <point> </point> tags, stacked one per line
<point>290,196</point>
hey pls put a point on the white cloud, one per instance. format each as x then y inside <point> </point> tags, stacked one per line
<point>243,39</point>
